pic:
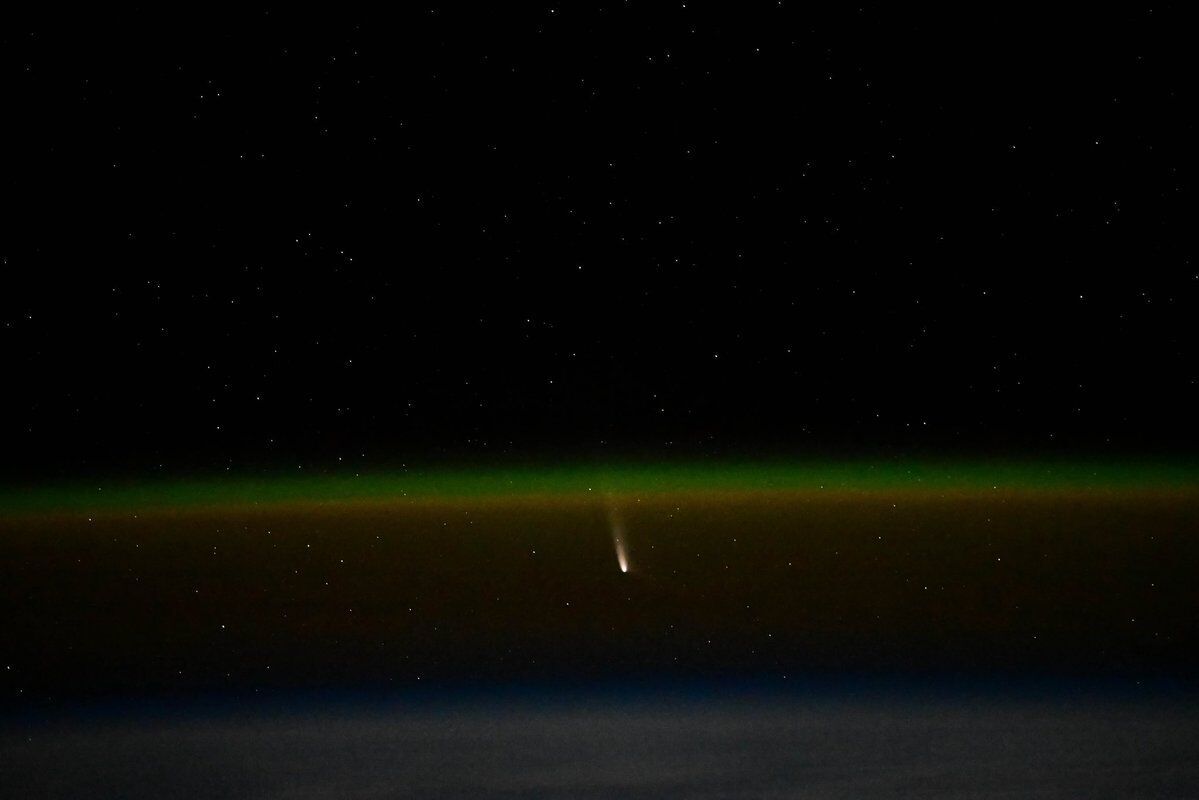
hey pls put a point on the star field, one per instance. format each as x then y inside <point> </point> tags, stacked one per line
<point>272,240</point>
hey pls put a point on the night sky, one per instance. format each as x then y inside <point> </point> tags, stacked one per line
<point>637,399</point>
<point>272,241</point>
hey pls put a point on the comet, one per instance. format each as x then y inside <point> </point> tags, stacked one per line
<point>618,539</point>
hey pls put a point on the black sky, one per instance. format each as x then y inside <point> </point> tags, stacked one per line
<point>262,239</point>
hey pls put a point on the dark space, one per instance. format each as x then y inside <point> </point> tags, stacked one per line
<point>448,232</point>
